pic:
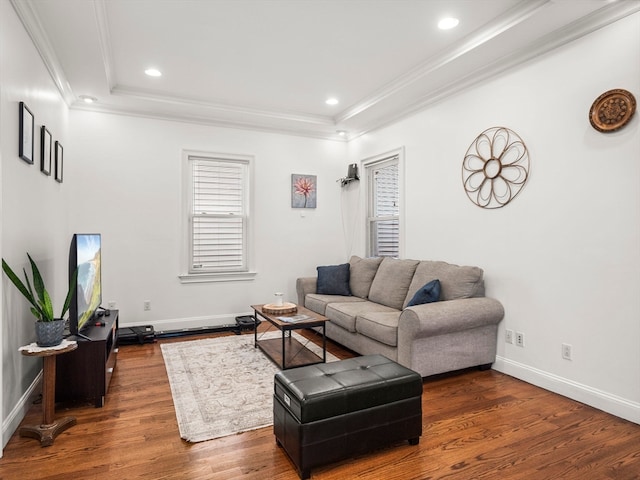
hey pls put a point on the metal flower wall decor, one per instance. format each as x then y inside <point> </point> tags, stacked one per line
<point>495,168</point>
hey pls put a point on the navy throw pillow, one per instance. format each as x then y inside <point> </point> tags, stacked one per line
<point>333,280</point>
<point>427,294</point>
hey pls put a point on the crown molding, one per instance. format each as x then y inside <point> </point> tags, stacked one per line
<point>598,19</point>
<point>104,38</point>
<point>26,13</point>
<point>517,15</point>
<point>293,128</point>
<point>160,98</point>
<point>152,104</point>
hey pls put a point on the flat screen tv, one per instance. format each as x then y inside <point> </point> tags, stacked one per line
<point>85,255</point>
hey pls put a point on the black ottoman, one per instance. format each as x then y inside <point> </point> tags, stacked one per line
<point>330,411</point>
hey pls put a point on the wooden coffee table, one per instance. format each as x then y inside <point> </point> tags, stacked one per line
<point>287,352</point>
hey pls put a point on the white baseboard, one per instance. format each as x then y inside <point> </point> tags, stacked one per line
<point>607,402</point>
<point>12,422</point>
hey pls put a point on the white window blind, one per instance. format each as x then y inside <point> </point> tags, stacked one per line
<point>383,220</point>
<point>218,215</point>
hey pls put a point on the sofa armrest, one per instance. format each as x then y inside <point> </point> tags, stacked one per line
<point>438,318</point>
<point>305,285</point>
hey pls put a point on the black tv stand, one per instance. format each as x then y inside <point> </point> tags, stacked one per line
<point>85,373</point>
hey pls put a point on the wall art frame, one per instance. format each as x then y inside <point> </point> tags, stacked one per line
<point>304,189</point>
<point>59,161</point>
<point>46,142</point>
<point>27,122</point>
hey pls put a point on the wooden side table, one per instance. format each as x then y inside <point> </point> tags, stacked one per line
<point>50,428</point>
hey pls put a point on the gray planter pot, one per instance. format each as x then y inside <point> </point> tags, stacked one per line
<point>50,334</point>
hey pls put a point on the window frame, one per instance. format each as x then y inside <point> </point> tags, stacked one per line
<point>192,275</point>
<point>368,165</point>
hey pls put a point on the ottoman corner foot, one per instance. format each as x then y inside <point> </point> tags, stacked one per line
<point>304,474</point>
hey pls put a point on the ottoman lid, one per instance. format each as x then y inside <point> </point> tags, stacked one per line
<point>326,390</point>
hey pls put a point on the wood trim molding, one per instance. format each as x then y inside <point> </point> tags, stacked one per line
<point>594,397</point>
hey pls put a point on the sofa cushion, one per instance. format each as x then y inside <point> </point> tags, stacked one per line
<point>318,303</point>
<point>344,314</point>
<point>333,280</point>
<point>428,293</point>
<point>379,326</point>
<point>392,281</point>
<point>362,272</point>
<point>455,281</point>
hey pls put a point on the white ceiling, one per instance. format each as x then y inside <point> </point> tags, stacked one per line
<point>271,64</point>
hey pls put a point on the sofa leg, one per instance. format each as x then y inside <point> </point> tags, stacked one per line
<point>486,366</point>
<point>414,441</point>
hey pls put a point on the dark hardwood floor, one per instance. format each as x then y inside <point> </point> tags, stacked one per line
<point>476,425</point>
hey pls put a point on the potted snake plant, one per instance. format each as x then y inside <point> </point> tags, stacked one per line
<point>49,329</point>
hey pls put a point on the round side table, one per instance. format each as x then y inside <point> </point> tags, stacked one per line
<point>50,428</point>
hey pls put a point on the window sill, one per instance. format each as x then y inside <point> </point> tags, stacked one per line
<point>217,277</point>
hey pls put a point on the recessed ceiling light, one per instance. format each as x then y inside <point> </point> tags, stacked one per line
<point>331,101</point>
<point>342,133</point>
<point>448,23</point>
<point>88,99</point>
<point>153,72</point>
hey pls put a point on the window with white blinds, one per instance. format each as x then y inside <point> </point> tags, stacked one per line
<point>383,217</point>
<point>218,215</point>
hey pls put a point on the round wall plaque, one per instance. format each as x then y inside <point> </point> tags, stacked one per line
<point>612,110</point>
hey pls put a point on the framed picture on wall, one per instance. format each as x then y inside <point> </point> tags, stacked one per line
<point>304,190</point>
<point>59,161</point>
<point>25,150</point>
<point>45,150</point>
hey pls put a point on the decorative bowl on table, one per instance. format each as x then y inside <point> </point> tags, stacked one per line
<point>286,307</point>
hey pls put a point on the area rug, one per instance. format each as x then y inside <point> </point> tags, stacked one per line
<point>222,386</point>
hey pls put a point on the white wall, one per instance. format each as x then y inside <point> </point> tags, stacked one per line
<point>33,207</point>
<point>125,177</point>
<point>564,256</point>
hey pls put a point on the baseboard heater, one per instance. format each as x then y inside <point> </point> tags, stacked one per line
<point>244,322</point>
<point>139,335</point>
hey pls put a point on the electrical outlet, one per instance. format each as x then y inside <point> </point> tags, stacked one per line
<point>508,336</point>
<point>520,339</point>
<point>147,305</point>
<point>111,305</point>
<point>566,351</point>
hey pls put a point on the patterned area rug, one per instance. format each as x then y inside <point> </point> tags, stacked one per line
<point>222,386</point>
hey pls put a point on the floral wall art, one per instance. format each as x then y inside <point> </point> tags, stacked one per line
<point>304,190</point>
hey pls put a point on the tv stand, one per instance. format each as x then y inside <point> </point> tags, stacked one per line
<point>85,373</point>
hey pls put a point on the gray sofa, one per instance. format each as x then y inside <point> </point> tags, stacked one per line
<point>457,331</point>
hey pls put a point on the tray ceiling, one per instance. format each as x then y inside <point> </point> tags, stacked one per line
<point>271,64</point>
